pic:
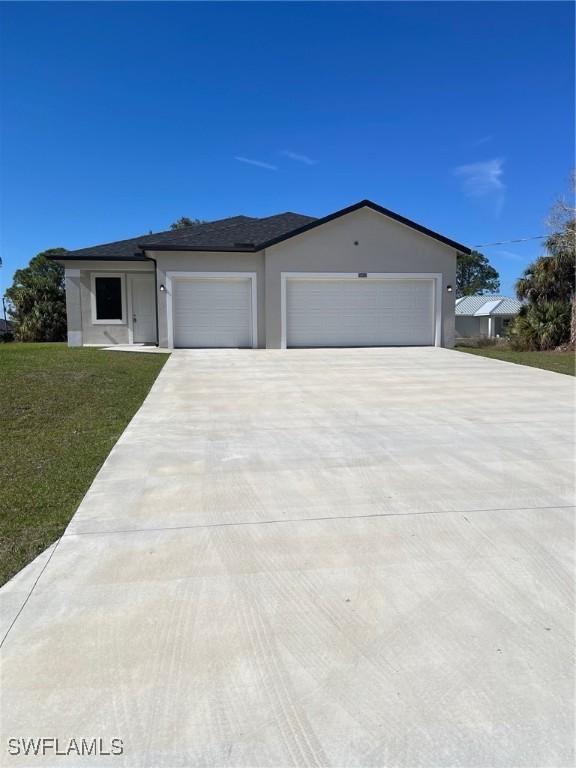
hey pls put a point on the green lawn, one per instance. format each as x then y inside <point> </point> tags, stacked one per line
<point>61,411</point>
<point>559,362</point>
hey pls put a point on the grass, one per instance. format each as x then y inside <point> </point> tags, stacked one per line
<point>559,362</point>
<point>61,411</point>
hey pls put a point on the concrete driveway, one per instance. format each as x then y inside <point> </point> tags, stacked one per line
<point>313,558</point>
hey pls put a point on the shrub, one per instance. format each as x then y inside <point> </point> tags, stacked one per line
<point>541,326</point>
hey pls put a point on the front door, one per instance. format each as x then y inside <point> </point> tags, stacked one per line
<point>143,310</point>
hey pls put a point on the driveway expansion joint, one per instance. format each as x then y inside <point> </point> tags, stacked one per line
<point>32,588</point>
<point>325,518</point>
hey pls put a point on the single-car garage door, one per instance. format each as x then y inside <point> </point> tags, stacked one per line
<point>212,312</point>
<point>359,312</point>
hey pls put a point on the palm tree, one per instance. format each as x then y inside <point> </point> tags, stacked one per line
<point>551,279</point>
<point>562,247</point>
<point>542,326</point>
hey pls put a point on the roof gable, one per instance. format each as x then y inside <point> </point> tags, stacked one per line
<point>237,233</point>
<point>374,207</point>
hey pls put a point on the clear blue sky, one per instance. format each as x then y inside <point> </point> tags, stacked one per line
<point>119,118</point>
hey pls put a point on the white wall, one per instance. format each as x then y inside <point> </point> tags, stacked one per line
<point>206,261</point>
<point>72,279</point>
<point>475,327</point>
<point>79,304</point>
<point>467,327</point>
<point>384,245</point>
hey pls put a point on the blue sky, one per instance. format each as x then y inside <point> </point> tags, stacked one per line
<point>120,118</point>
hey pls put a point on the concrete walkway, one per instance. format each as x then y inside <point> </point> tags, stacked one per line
<point>314,558</point>
<point>137,348</point>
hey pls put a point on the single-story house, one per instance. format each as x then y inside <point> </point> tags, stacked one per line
<point>485,316</point>
<point>362,276</point>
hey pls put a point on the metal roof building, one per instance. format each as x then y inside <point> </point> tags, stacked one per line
<point>479,306</point>
<point>485,315</point>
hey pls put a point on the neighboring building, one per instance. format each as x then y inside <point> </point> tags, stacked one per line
<point>363,276</point>
<point>6,326</point>
<point>487,316</point>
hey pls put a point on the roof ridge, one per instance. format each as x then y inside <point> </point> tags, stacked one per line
<point>206,225</point>
<point>287,213</point>
<point>201,224</point>
<point>225,225</point>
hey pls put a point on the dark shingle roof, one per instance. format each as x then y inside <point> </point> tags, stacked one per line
<point>238,233</point>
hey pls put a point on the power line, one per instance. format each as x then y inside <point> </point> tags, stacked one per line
<point>505,242</point>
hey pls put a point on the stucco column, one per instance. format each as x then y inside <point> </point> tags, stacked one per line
<point>73,307</point>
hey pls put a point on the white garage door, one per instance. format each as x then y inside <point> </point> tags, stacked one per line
<point>359,312</point>
<point>212,312</point>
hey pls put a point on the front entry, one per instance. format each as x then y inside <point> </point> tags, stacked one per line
<point>143,316</point>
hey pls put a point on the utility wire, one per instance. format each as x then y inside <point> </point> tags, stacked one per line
<point>505,242</point>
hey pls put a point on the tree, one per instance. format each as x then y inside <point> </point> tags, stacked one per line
<point>542,325</point>
<point>562,245</point>
<point>548,286</point>
<point>184,222</point>
<point>475,275</point>
<point>37,301</point>
<point>550,277</point>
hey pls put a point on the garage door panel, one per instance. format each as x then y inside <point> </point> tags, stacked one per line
<point>359,312</point>
<point>212,312</point>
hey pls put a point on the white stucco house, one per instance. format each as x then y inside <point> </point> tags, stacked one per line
<point>485,316</point>
<point>362,276</point>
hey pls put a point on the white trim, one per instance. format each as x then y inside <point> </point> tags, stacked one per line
<point>130,322</point>
<point>74,338</point>
<point>436,276</point>
<point>170,276</point>
<point>93,276</point>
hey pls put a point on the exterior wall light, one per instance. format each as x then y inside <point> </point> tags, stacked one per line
<point>448,288</point>
<point>163,288</point>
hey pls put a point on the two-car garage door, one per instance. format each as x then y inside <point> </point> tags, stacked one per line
<point>359,311</point>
